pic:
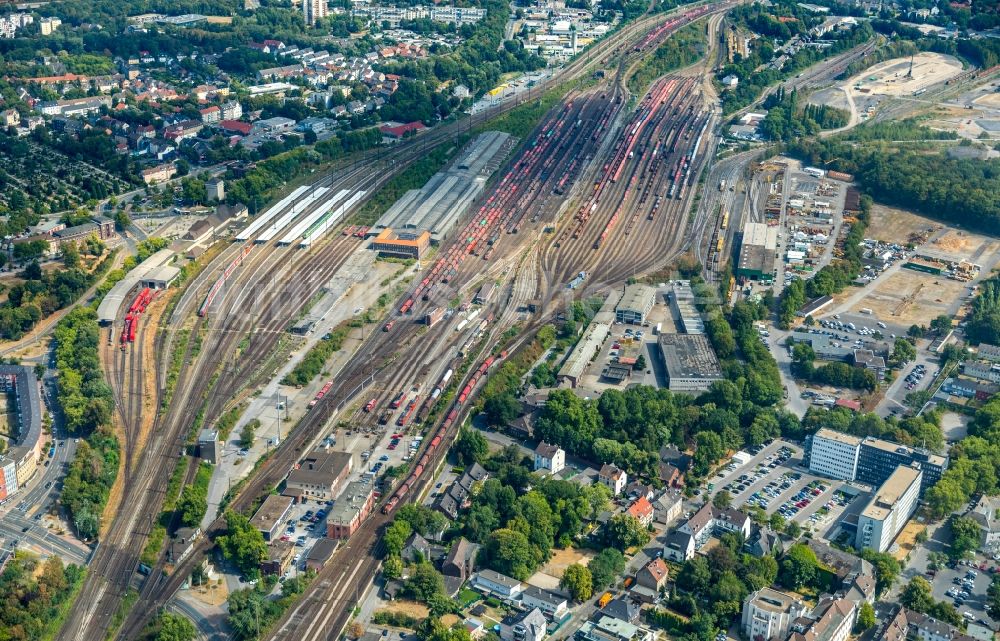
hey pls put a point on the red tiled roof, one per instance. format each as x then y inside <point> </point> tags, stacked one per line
<point>236,125</point>
<point>401,130</point>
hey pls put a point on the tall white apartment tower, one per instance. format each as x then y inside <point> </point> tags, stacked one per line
<point>313,10</point>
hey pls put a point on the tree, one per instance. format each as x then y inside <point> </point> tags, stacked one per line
<point>70,255</point>
<point>578,581</point>
<point>392,567</point>
<point>174,627</point>
<point>395,536</point>
<point>722,499</point>
<point>501,409</point>
<point>192,505</point>
<point>917,595</point>
<point>777,522</point>
<point>793,530</point>
<point>624,531</point>
<point>424,583</point>
<point>799,566</point>
<point>887,568</point>
<point>508,551</point>
<point>426,521</point>
<point>941,324</point>
<point>247,433</point>
<point>709,451</point>
<point>993,597</point>
<point>866,618</point>
<point>605,567</point>
<point>965,536</point>
<point>470,446</point>
<point>242,544</point>
<point>902,351</point>
<point>640,363</point>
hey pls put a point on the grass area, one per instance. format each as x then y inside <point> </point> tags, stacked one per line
<point>227,421</point>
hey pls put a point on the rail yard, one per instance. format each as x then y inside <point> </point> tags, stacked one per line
<point>242,294</point>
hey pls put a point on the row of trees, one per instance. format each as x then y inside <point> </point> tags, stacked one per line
<point>983,324</point>
<point>87,404</point>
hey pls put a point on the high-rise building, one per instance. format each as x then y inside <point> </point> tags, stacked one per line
<point>889,509</point>
<point>834,454</point>
<point>314,10</point>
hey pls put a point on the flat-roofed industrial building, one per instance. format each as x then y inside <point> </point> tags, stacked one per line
<point>402,244</point>
<point>757,252</point>
<point>635,305</point>
<point>690,362</point>
<point>447,195</point>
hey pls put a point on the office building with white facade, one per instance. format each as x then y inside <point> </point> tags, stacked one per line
<point>889,510</point>
<point>834,455</point>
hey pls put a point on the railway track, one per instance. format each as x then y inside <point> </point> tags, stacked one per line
<point>126,540</point>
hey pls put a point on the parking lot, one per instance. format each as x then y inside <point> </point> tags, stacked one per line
<point>965,586</point>
<point>773,479</point>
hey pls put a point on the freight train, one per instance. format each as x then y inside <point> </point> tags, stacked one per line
<point>439,436</point>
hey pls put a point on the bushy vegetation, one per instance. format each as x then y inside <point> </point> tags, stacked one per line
<point>87,403</point>
<point>252,611</point>
<point>315,359</point>
<point>35,596</point>
<point>983,324</point>
<point>974,467</point>
<point>681,49</point>
<point>788,119</point>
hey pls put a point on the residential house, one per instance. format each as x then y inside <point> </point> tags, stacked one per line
<point>669,507</point>
<point>609,629</point>
<point>279,557</point>
<point>416,548</point>
<point>210,115</point>
<point>232,110</point>
<point>679,547</point>
<point>637,488</point>
<point>623,609</point>
<point>457,497</point>
<point>10,118</point>
<point>831,620</point>
<point>613,478</point>
<point>552,604</point>
<point>768,614</point>
<point>158,174</point>
<point>642,511</point>
<point>529,625</point>
<point>764,542</point>
<point>653,575</point>
<point>459,563</point>
<point>986,515</point>
<point>670,475</point>
<point>710,520</point>
<point>492,582</point>
<point>550,458</point>
<point>856,575</point>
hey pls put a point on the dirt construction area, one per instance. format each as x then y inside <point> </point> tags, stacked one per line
<point>895,77</point>
<point>910,297</point>
<point>893,225</point>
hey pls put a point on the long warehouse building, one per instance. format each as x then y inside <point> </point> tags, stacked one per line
<point>437,206</point>
<point>757,252</point>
